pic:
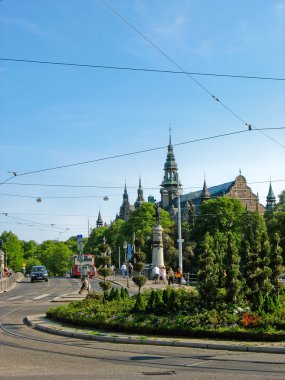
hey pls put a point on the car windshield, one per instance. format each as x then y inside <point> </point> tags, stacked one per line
<point>39,269</point>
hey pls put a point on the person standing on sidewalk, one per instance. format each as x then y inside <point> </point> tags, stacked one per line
<point>178,276</point>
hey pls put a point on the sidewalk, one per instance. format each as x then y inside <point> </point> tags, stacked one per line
<point>40,322</point>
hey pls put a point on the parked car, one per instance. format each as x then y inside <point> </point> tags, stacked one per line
<point>39,272</point>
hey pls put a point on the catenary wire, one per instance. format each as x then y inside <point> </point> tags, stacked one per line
<point>133,153</point>
<point>122,68</point>
<point>204,88</point>
<point>120,187</point>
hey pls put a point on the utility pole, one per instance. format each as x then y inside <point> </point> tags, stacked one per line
<point>179,240</point>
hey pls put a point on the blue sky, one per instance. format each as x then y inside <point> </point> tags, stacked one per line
<point>57,115</point>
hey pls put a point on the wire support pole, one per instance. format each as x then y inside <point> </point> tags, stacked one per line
<point>179,240</point>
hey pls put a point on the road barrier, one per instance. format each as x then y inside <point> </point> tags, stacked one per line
<point>8,282</point>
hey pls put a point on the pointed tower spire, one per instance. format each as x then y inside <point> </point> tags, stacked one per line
<point>205,194</point>
<point>169,186</point>
<point>125,209</point>
<point>99,222</point>
<point>140,198</point>
<point>271,199</point>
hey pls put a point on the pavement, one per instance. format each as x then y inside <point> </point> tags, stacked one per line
<point>40,322</point>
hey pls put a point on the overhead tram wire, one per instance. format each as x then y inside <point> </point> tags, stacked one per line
<point>133,153</point>
<point>118,187</point>
<point>142,69</point>
<point>204,88</point>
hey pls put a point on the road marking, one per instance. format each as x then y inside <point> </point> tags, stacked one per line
<point>42,296</point>
<point>14,298</point>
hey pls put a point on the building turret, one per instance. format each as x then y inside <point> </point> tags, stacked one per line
<point>205,194</point>
<point>270,199</point>
<point>99,222</point>
<point>140,198</point>
<point>169,185</point>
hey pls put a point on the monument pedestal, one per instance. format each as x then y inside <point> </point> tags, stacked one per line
<point>157,250</point>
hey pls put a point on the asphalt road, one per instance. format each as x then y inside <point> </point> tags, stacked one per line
<point>29,354</point>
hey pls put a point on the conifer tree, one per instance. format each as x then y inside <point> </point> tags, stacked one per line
<point>276,262</point>
<point>207,273</point>
<point>232,275</point>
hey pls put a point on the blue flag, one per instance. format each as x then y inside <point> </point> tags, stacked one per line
<point>129,252</point>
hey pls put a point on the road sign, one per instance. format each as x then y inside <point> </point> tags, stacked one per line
<point>79,237</point>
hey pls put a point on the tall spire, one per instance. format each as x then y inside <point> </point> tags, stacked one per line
<point>125,209</point>
<point>99,222</point>
<point>270,198</point>
<point>140,198</point>
<point>169,185</point>
<point>205,194</point>
<point>125,195</point>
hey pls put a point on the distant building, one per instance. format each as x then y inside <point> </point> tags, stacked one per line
<point>126,208</point>
<point>99,222</point>
<point>237,189</point>
<point>170,185</point>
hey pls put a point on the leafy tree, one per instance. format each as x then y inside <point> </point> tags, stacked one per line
<point>141,224</point>
<point>55,256</point>
<point>13,248</point>
<point>72,244</point>
<point>115,238</point>
<point>207,273</point>
<point>29,248</point>
<point>222,213</point>
<point>94,240</point>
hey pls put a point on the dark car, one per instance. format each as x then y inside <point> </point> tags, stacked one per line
<point>39,272</point>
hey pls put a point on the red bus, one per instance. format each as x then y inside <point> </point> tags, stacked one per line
<point>84,263</point>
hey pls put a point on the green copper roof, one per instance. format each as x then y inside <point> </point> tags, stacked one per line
<point>270,196</point>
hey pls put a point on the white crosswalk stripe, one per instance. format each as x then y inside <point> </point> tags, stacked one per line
<point>15,298</point>
<point>40,297</point>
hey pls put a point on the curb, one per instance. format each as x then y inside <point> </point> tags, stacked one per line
<point>45,326</point>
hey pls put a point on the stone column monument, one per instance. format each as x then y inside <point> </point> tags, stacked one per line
<point>157,250</point>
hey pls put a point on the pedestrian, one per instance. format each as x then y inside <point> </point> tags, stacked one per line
<point>130,270</point>
<point>170,276</point>
<point>85,284</point>
<point>124,270</point>
<point>162,274</point>
<point>178,276</point>
<point>155,274</point>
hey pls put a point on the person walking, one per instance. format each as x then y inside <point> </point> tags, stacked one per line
<point>130,270</point>
<point>155,273</point>
<point>85,285</point>
<point>170,276</point>
<point>124,270</point>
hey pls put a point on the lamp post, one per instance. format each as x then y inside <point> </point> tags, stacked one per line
<point>179,240</point>
<point>126,259</point>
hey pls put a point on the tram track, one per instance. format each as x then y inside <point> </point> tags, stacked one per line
<point>156,359</point>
